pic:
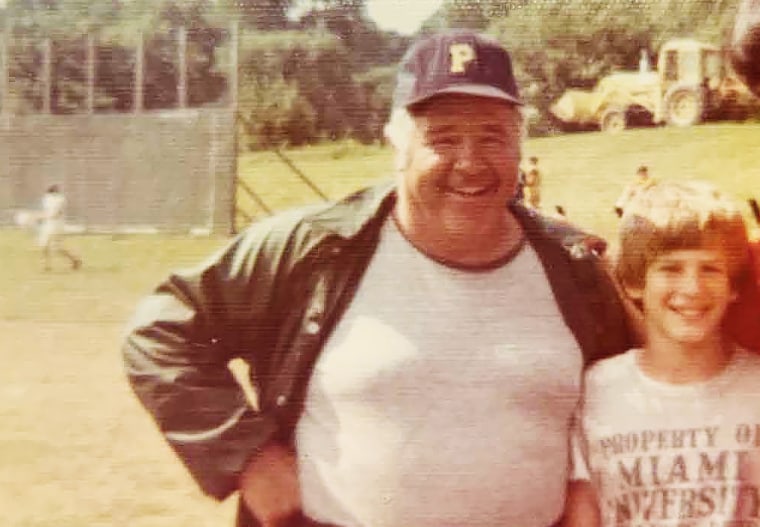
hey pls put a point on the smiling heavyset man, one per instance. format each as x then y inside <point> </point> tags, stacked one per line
<point>416,349</point>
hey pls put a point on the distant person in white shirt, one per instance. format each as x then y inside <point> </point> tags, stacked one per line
<point>644,65</point>
<point>642,182</point>
<point>51,228</point>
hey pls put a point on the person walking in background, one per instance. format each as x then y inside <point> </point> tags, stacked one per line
<point>665,434</point>
<point>644,65</point>
<point>51,229</point>
<point>642,182</point>
<point>532,184</point>
<point>416,349</point>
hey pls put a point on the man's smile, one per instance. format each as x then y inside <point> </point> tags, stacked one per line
<point>470,191</point>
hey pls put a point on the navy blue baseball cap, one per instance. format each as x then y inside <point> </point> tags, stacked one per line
<point>455,61</point>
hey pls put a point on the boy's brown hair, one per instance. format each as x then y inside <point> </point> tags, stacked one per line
<point>671,216</point>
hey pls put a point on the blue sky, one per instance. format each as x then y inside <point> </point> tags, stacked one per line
<point>403,16</point>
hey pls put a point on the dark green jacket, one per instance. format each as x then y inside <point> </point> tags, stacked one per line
<point>271,297</point>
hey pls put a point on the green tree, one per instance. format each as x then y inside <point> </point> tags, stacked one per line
<point>316,64</point>
<point>573,43</point>
<point>269,15</point>
<point>273,113</point>
<point>116,27</point>
<point>469,14</point>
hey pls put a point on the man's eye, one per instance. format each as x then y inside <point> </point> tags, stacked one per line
<point>443,141</point>
<point>493,140</point>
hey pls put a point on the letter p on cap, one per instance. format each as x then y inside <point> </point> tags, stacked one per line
<point>461,55</point>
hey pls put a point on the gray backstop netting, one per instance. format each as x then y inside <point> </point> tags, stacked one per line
<point>169,171</point>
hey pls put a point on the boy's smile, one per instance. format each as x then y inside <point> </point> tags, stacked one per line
<point>685,295</point>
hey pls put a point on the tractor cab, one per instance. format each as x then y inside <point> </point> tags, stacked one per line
<point>690,72</point>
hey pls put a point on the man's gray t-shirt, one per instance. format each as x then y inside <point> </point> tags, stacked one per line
<point>442,398</point>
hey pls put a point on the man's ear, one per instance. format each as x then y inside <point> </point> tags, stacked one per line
<point>634,293</point>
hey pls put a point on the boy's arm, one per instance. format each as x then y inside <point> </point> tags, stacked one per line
<point>581,509</point>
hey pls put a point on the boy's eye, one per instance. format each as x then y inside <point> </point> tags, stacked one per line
<point>714,269</point>
<point>669,268</point>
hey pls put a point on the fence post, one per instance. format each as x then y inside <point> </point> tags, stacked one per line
<point>182,56</point>
<point>90,73</point>
<point>233,87</point>
<point>6,56</point>
<point>47,75</point>
<point>139,73</point>
<point>234,59</point>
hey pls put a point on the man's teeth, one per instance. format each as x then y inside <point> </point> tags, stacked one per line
<point>691,312</point>
<point>470,191</point>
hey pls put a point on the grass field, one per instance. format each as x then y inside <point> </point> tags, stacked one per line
<point>583,172</point>
<point>75,448</point>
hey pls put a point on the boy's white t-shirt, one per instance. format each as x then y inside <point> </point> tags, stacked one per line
<point>662,455</point>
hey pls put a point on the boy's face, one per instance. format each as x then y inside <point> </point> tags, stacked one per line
<point>685,295</point>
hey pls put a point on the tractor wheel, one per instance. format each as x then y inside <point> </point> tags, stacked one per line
<point>684,106</point>
<point>613,120</point>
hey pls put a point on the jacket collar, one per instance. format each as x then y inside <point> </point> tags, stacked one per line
<point>349,216</point>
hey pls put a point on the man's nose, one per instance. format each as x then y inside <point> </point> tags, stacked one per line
<point>469,156</point>
<point>691,282</point>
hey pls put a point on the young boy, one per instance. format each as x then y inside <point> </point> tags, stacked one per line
<point>669,434</point>
<point>532,184</point>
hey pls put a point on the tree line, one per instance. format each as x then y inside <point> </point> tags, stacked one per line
<point>327,73</point>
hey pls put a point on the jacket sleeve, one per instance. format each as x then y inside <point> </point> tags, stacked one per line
<point>602,326</point>
<point>178,347</point>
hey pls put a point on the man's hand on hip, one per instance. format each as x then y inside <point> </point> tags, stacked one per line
<point>269,486</point>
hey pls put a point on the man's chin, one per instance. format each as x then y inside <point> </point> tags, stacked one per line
<point>472,222</point>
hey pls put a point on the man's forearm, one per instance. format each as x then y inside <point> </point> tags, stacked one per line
<point>269,486</point>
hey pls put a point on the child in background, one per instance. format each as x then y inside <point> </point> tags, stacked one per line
<point>669,434</point>
<point>532,184</point>
<point>51,229</point>
<point>642,182</point>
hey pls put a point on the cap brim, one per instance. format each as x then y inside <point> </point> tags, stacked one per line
<point>478,90</point>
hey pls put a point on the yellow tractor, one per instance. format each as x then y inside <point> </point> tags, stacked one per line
<point>692,83</point>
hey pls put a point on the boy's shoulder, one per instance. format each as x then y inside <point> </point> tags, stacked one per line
<point>612,370</point>
<point>618,370</point>
<point>746,361</point>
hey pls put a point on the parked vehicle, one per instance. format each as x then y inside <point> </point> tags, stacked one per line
<point>693,82</point>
